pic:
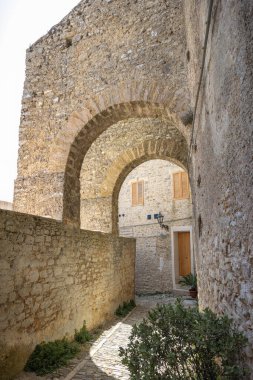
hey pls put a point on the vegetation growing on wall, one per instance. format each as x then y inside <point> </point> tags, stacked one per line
<point>125,308</point>
<point>47,357</point>
<point>82,336</point>
<point>178,343</point>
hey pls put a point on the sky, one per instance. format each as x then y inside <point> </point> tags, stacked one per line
<point>22,22</point>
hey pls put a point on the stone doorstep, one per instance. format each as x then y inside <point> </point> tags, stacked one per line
<point>180,292</point>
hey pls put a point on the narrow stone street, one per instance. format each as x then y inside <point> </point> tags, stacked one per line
<point>103,362</point>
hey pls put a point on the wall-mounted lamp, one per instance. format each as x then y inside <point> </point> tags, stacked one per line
<point>160,218</point>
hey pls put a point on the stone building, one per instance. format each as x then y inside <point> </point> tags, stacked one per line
<point>114,84</point>
<point>162,255</point>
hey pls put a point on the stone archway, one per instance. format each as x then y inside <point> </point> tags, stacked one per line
<point>89,133</point>
<point>150,149</point>
<point>111,152</point>
<point>124,173</point>
<point>92,115</point>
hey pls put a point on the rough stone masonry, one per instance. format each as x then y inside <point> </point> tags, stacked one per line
<point>54,278</point>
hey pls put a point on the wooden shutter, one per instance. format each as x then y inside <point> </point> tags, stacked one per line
<point>177,185</point>
<point>134,194</point>
<point>185,185</point>
<point>181,185</point>
<point>140,192</point>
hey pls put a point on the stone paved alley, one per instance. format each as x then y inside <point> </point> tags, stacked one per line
<point>104,362</point>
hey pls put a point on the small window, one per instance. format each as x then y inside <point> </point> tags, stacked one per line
<point>181,185</point>
<point>138,193</point>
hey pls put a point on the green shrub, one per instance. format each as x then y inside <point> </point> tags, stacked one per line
<point>124,309</point>
<point>50,356</point>
<point>178,343</point>
<point>82,336</point>
<point>190,280</point>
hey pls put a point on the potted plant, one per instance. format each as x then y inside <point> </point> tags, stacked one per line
<point>190,280</point>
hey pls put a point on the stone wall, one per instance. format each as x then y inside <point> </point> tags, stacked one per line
<point>101,56</point>
<point>154,267</point>
<point>222,165</point>
<point>52,279</point>
<point>158,195</point>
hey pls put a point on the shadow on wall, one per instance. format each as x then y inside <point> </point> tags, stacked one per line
<point>103,361</point>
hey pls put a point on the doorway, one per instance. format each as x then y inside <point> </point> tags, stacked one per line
<point>182,253</point>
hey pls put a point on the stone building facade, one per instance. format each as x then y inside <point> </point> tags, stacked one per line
<point>157,259</point>
<point>109,64</point>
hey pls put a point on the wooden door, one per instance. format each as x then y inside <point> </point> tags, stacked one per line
<point>184,253</point>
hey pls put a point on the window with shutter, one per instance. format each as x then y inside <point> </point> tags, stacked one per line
<point>181,185</point>
<point>134,194</point>
<point>185,185</point>
<point>177,185</point>
<point>138,193</point>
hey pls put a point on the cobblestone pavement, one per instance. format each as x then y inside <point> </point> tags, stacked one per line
<point>103,362</point>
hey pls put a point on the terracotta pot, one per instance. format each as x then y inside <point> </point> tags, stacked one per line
<point>193,293</point>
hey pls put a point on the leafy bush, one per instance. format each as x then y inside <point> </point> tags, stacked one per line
<point>50,356</point>
<point>178,343</point>
<point>124,309</point>
<point>82,336</point>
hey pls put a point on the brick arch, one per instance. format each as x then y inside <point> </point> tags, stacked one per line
<point>145,98</point>
<point>133,101</point>
<point>85,138</point>
<point>163,150</point>
<point>174,150</point>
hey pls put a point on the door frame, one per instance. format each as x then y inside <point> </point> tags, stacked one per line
<point>174,256</point>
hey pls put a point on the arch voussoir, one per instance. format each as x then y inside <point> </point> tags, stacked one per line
<point>135,99</point>
<point>153,151</point>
